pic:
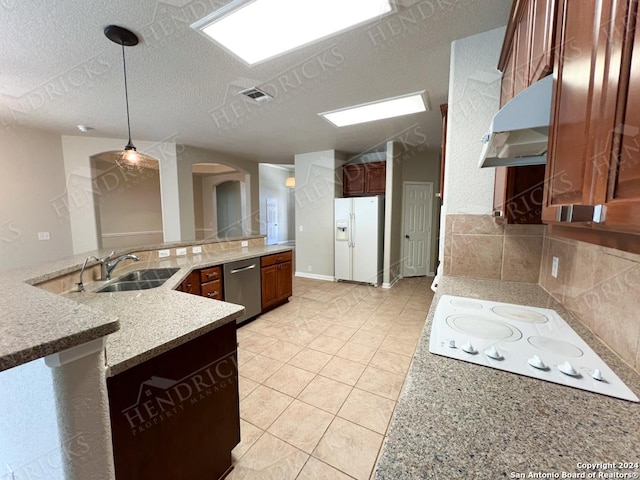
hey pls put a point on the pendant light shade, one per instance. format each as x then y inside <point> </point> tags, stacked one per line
<point>129,158</point>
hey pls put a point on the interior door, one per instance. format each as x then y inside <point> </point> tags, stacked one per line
<point>417,228</point>
<point>272,221</point>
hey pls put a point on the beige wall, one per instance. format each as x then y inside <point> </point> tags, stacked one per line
<point>272,186</point>
<point>392,264</point>
<point>32,198</point>
<point>129,207</point>
<point>600,286</point>
<point>477,246</point>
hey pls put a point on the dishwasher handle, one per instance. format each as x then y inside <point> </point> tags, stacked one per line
<point>242,269</point>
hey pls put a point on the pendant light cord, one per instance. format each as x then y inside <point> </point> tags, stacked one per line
<point>126,94</point>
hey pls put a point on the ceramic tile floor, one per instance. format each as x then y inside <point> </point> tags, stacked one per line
<point>320,377</point>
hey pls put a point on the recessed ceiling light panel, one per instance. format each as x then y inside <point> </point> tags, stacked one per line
<point>257,30</point>
<point>378,110</point>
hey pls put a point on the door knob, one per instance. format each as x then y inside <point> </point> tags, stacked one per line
<point>407,237</point>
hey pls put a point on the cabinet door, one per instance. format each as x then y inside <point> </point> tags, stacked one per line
<point>191,284</point>
<point>376,178</point>
<point>507,85</point>
<point>623,189</point>
<point>285,281</point>
<point>542,29</point>
<point>522,40</point>
<point>576,117</point>
<point>353,180</point>
<point>269,285</point>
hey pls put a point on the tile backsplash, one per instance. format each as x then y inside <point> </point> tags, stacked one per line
<point>478,246</point>
<point>600,286</point>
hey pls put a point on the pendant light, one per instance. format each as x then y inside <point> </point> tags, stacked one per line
<point>128,159</point>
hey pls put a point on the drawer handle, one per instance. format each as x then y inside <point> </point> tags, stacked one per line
<point>188,285</point>
<point>214,274</point>
<point>580,213</point>
<point>211,294</point>
<point>242,269</point>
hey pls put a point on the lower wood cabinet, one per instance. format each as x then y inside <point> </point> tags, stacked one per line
<point>276,279</point>
<point>177,414</point>
<point>206,282</point>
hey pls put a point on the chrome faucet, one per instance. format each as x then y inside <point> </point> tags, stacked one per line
<point>84,265</point>
<point>108,265</point>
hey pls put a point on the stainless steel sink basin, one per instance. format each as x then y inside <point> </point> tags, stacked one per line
<point>139,280</point>
<point>148,274</point>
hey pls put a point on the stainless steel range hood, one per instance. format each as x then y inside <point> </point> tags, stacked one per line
<point>519,131</point>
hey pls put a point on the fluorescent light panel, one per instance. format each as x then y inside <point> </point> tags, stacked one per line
<point>369,112</point>
<point>261,29</point>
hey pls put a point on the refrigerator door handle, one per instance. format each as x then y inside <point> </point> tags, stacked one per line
<point>353,229</point>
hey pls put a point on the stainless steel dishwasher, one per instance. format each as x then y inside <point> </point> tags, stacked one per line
<point>242,286</point>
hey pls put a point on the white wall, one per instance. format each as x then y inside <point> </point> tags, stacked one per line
<point>392,263</point>
<point>272,186</point>
<point>32,183</point>
<point>316,187</point>
<point>474,97</point>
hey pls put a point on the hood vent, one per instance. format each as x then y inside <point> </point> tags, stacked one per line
<point>256,94</point>
<point>519,132</point>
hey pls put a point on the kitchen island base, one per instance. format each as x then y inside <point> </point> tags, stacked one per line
<point>177,415</point>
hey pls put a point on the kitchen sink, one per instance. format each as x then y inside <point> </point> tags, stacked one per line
<point>148,274</point>
<point>139,280</point>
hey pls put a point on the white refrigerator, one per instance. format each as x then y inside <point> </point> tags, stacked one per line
<point>359,237</point>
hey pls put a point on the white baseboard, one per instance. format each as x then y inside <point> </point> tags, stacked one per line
<point>392,283</point>
<point>315,276</point>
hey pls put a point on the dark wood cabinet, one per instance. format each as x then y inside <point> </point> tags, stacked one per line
<point>526,57</point>
<point>592,187</point>
<point>361,179</point>
<point>276,277</point>
<point>177,414</point>
<point>206,282</point>
<point>191,284</point>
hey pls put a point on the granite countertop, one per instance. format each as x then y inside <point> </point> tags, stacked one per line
<point>35,323</point>
<point>455,419</point>
<point>156,320</point>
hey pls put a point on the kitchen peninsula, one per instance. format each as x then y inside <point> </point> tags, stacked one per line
<point>144,328</point>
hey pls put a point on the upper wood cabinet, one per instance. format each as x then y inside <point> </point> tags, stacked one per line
<point>526,57</point>
<point>361,179</point>
<point>592,186</point>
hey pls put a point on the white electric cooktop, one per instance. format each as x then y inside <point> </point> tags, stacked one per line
<point>530,341</point>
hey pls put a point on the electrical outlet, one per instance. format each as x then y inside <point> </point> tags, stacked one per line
<point>44,236</point>
<point>301,228</point>
<point>554,267</point>
<point>197,249</point>
<point>164,253</point>
<point>181,251</point>
<point>309,268</point>
<point>244,243</point>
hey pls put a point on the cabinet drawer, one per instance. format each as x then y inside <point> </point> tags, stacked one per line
<point>211,273</point>
<point>276,258</point>
<point>212,289</point>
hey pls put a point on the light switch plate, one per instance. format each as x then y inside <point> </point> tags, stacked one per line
<point>44,236</point>
<point>164,253</point>
<point>197,249</point>
<point>181,251</point>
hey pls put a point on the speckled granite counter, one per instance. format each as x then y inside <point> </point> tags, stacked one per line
<point>35,323</point>
<point>457,420</point>
<point>156,320</point>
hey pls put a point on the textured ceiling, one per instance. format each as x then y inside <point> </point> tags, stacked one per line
<point>59,70</point>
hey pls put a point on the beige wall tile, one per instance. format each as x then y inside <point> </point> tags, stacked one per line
<point>478,256</point>
<point>521,258</point>
<point>527,230</point>
<point>475,225</point>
